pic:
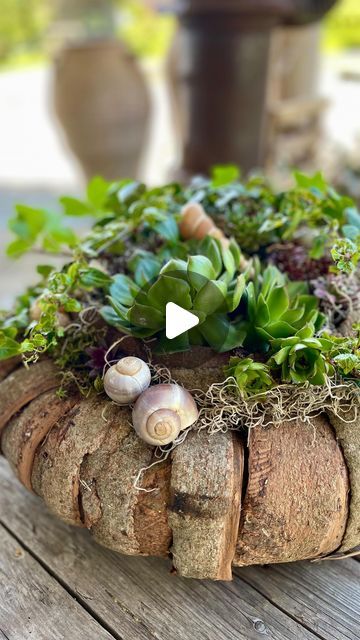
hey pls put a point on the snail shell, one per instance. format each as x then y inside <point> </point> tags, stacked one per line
<point>62,318</point>
<point>162,411</point>
<point>127,379</point>
<point>195,223</point>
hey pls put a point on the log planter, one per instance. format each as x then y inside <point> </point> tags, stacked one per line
<point>229,499</point>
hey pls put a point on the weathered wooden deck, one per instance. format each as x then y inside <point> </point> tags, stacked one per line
<point>57,584</point>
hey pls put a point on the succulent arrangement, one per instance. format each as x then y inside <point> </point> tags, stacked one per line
<point>260,270</point>
<point>274,282</point>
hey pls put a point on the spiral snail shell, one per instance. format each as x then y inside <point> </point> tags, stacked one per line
<point>162,411</point>
<point>195,223</point>
<point>62,318</point>
<point>127,379</point>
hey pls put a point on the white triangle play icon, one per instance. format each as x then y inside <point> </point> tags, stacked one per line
<point>178,320</point>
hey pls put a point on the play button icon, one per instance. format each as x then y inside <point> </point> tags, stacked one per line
<point>178,320</point>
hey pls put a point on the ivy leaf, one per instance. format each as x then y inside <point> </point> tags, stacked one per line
<point>76,208</point>
<point>97,192</point>
<point>8,347</point>
<point>316,182</point>
<point>222,175</point>
<point>347,362</point>
<point>17,248</point>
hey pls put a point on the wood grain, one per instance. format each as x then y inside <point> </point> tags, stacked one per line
<point>296,502</point>
<point>138,597</point>
<point>7,366</point>
<point>25,432</point>
<point>324,595</point>
<point>34,605</point>
<point>23,385</point>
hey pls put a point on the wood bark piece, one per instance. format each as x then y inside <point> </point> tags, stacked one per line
<point>206,483</point>
<point>56,470</point>
<point>22,386</point>
<point>26,431</point>
<point>7,366</point>
<point>119,515</point>
<point>348,435</point>
<point>201,378</point>
<point>296,502</point>
<point>346,327</point>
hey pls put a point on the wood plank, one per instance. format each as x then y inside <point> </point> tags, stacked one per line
<point>138,597</point>
<point>33,604</point>
<point>325,596</point>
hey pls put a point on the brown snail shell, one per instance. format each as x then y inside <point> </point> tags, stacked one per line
<point>195,223</point>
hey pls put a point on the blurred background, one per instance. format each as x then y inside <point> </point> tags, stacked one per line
<point>162,89</point>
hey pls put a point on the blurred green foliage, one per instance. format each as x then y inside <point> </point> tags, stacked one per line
<point>146,32</point>
<point>342,26</point>
<point>23,25</point>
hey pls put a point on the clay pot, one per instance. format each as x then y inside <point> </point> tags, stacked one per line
<point>103,104</point>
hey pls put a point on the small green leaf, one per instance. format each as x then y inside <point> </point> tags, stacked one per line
<point>17,248</point>
<point>8,347</point>
<point>94,278</point>
<point>75,207</point>
<point>147,317</point>
<point>97,192</point>
<point>222,175</point>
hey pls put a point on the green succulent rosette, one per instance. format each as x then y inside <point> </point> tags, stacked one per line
<point>302,358</point>
<point>208,284</point>
<point>277,309</point>
<point>251,377</point>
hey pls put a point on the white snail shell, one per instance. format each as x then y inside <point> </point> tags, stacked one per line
<point>162,411</point>
<point>62,318</point>
<point>127,379</point>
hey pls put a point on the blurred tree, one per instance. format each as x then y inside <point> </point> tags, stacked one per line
<point>22,26</point>
<point>342,26</point>
<point>147,32</point>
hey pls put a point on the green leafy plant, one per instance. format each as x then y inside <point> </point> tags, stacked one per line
<point>207,284</point>
<point>251,377</point>
<point>132,262</point>
<point>302,358</point>
<point>277,309</point>
<point>22,334</point>
<point>344,352</point>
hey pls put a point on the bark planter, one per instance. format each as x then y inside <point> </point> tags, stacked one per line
<point>102,102</point>
<point>275,494</point>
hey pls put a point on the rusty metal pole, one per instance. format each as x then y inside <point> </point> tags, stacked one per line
<point>218,71</point>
